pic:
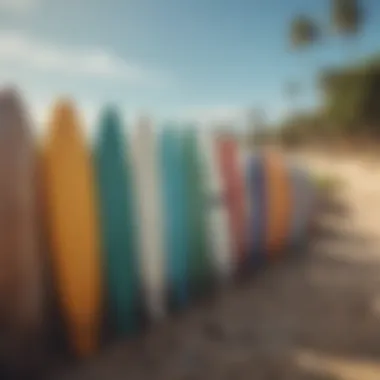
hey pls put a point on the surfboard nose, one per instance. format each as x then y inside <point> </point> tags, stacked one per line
<point>110,124</point>
<point>64,119</point>
<point>10,96</point>
<point>11,108</point>
<point>64,108</point>
<point>110,115</point>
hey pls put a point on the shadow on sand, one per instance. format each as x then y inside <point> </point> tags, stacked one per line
<point>311,316</point>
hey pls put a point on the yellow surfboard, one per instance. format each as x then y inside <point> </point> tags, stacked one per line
<point>73,227</point>
<point>278,202</point>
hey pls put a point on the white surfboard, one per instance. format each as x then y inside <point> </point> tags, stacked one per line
<point>150,218</point>
<point>217,217</point>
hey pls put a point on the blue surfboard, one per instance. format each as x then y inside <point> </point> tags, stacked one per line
<point>118,227</point>
<point>176,231</point>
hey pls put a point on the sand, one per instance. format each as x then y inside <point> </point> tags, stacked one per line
<point>316,315</point>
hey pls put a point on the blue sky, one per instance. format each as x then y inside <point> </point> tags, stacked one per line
<point>204,59</point>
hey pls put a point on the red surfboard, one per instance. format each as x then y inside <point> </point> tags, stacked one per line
<point>229,159</point>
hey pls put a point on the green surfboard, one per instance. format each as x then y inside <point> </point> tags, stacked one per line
<point>199,260</point>
<point>118,226</point>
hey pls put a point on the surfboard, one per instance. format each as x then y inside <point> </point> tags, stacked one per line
<point>216,211</point>
<point>116,200</point>
<point>21,273</point>
<point>257,216</point>
<point>175,221</point>
<point>278,203</point>
<point>199,261</point>
<point>229,163</point>
<point>56,338</point>
<point>310,199</point>
<point>300,204</point>
<point>73,226</point>
<point>246,200</point>
<point>150,218</point>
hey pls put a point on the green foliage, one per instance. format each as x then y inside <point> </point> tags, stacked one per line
<point>351,106</point>
<point>303,31</point>
<point>263,136</point>
<point>301,127</point>
<point>346,16</point>
<point>352,97</point>
<point>327,183</point>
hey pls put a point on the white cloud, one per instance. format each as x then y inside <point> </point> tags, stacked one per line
<point>217,115</point>
<point>17,48</point>
<point>17,6</point>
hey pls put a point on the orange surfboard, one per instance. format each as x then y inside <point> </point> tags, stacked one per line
<point>21,288</point>
<point>73,227</point>
<point>278,202</point>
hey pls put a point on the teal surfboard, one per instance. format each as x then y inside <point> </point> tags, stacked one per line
<point>200,260</point>
<point>175,221</point>
<point>118,226</point>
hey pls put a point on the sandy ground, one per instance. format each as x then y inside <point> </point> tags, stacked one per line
<point>316,315</point>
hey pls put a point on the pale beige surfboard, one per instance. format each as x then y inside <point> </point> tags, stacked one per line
<point>150,216</point>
